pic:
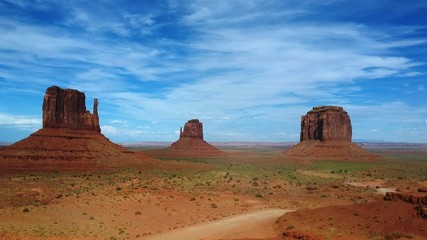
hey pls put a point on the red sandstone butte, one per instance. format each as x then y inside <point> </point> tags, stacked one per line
<point>326,123</point>
<point>192,129</point>
<point>66,108</point>
<point>191,142</point>
<point>70,139</point>
<point>326,135</point>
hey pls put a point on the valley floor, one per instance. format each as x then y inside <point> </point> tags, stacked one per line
<point>238,196</point>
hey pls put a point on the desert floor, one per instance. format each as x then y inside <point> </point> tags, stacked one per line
<point>237,196</point>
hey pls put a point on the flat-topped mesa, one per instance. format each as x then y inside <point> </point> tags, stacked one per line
<point>192,129</point>
<point>326,123</point>
<point>66,108</point>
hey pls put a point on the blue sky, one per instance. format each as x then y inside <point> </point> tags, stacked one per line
<point>247,69</point>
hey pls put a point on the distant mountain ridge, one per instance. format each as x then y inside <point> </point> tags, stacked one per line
<point>5,143</point>
<point>366,143</point>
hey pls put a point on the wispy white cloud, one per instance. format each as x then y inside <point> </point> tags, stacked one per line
<point>222,61</point>
<point>21,123</point>
<point>109,130</point>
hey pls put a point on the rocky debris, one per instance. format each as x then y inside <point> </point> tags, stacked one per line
<point>422,189</point>
<point>58,149</point>
<point>406,197</point>
<point>192,129</point>
<point>326,123</point>
<point>299,235</point>
<point>66,108</point>
<point>312,150</point>
<point>418,199</point>
<point>326,135</point>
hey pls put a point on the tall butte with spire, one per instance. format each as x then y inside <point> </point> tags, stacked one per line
<point>66,108</point>
<point>70,139</point>
<point>326,134</point>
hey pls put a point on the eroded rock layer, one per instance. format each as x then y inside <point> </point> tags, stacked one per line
<point>326,135</point>
<point>311,150</point>
<point>326,123</point>
<point>64,149</point>
<point>69,140</point>
<point>66,108</point>
<point>192,129</point>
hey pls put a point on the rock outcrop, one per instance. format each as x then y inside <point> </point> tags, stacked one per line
<point>66,108</point>
<point>192,129</point>
<point>69,140</point>
<point>191,142</point>
<point>420,200</point>
<point>406,197</point>
<point>326,135</point>
<point>326,123</point>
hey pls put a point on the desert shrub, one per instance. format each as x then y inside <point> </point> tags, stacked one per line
<point>419,208</point>
<point>259,195</point>
<point>255,184</point>
<point>213,205</point>
<point>290,226</point>
<point>138,213</point>
<point>397,235</point>
<point>25,210</point>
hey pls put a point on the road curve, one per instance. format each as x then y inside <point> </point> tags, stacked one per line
<point>253,224</point>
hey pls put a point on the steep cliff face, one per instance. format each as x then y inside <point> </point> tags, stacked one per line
<point>192,129</point>
<point>326,123</point>
<point>66,108</point>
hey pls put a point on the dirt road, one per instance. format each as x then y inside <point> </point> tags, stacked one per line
<point>253,224</point>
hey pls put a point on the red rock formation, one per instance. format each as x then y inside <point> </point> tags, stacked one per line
<point>415,198</point>
<point>406,197</point>
<point>192,129</point>
<point>326,123</point>
<point>326,135</point>
<point>66,108</point>
<point>53,149</point>
<point>355,221</point>
<point>70,139</point>
<point>191,142</point>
